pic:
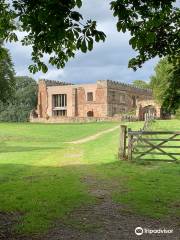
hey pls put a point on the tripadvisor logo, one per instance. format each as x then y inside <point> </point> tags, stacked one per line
<point>139,231</point>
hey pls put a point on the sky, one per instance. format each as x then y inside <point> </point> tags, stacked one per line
<point>108,60</point>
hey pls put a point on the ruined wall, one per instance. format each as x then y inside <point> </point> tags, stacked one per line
<point>46,89</point>
<point>144,106</point>
<point>99,104</point>
<point>42,99</point>
<point>122,98</point>
<point>109,98</point>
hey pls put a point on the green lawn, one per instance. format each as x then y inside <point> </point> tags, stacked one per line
<point>40,174</point>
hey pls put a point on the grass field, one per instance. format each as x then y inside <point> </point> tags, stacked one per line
<point>41,174</point>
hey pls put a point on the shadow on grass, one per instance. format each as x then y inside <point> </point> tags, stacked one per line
<point>8,149</point>
<point>45,193</point>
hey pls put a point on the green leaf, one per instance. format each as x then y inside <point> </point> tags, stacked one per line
<point>119,26</point>
<point>83,46</point>
<point>97,37</point>
<point>79,43</point>
<point>132,42</point>
<point>33,68</point>
<point>90,44</point>
<point>78,3</point>
<point>44,68</point>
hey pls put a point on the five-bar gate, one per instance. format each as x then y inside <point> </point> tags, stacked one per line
<point>147,145</point>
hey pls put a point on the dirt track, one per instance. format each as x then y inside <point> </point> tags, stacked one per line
<point>93,137</point>
<point>104,220</point>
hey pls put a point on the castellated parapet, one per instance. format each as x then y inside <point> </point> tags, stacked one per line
<point>125,86</point>
<point>53,82</point>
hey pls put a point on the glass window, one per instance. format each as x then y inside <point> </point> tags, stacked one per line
<point>61,113</point>
<point>60,100</point>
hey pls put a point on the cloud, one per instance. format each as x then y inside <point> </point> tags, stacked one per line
<point>54,74</point>
<point>108,60</point>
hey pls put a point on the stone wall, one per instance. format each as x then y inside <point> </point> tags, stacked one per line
<point>99,104</point>
<point>122,98</point>
<point>44,107</point>
<point>145,106</point>
<point>75,119</point>
<point>42,99</point>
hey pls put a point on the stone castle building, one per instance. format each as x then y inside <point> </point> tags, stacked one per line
<point>102,99</point>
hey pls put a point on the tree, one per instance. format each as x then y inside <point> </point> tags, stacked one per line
<point>166,85</point>
<point>141,84</point>
<point>24,100</point>
<point>7,80</point>
<point>56,27</point>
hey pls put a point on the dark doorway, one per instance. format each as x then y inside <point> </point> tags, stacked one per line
<point>90,114</point>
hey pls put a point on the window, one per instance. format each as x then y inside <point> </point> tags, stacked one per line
<point>113,94</point>
<point>59,100</point>
<point>122,98</point>
<point>90,96</point>
<point>57,113</point>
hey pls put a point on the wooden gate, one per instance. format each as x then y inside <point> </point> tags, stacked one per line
<point>147,145</point>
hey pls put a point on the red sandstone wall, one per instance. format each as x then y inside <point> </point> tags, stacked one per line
<point>99,104</point>
<point>103,104</point>
<point>42,99</point>
<point>64,89</point>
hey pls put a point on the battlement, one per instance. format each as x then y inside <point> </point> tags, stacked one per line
<point>125,86</point>
<point>50,83</point>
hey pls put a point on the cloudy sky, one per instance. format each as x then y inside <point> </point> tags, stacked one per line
<point>108,60</point>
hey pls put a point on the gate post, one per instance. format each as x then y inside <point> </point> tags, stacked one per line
<point>130,145</point>
<point>122,142</point>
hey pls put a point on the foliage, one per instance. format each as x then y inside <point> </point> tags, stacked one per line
<point>7,80</point>
<point>154,27</point>
<point>7,23</point>
<point>57,28</point>
<point>131,113</point>
<point>141,84</point>
<point>166,84</point>
<point>24,100</point>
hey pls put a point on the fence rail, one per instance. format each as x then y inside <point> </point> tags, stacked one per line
<point>134,145</point>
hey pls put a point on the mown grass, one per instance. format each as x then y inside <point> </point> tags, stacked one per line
<point>41,176</point>
<point>50,132</point>
<point>37,174</point>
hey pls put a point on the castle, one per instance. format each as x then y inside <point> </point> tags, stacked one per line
<point>105,98</point>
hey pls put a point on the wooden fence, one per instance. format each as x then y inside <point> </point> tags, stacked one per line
<point>134,145</point>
